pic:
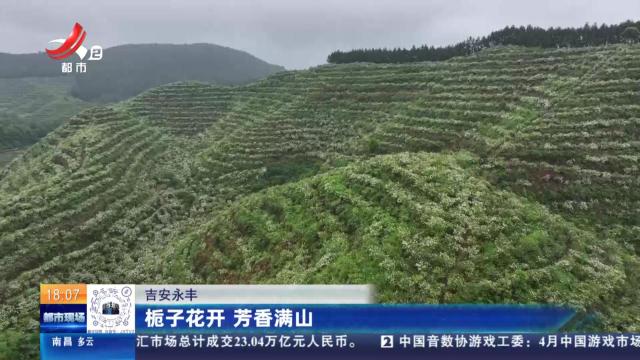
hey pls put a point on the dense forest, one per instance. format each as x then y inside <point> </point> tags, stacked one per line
<point>530,36</point>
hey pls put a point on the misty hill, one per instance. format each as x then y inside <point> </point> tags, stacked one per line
<point>35,96</point>
<point>14,66</point>
<point>128,70</point>
<point>32,107</point>
<point>507,176</point>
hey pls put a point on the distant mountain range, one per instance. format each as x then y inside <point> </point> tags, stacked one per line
<point>128,70</point>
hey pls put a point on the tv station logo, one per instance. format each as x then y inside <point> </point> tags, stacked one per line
<point>73,44</point>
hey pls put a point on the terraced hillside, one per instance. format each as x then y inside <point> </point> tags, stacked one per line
<point>424,227</point>
<point>287,179</point>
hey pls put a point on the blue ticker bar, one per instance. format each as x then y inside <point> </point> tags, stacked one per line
<point>370,318</point>
<point>87,346</point>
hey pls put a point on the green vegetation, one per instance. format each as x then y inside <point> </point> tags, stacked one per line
<point>422,227</point>
<point>35,98</point>
<point>631,34</point>
<point>7,155</point>
<point>507,176</point>
<point>31,107</point>
<point>14,66</point>
<point>529,36</point>
<point>128,70</point>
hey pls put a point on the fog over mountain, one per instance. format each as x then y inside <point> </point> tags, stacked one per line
<point>292,33</point>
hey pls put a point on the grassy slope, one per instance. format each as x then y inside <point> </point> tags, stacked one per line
<point>154,174</point>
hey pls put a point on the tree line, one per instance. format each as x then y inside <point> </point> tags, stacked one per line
<point>530,36</point>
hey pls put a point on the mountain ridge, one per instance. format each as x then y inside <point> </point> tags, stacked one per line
<point>145,66</point>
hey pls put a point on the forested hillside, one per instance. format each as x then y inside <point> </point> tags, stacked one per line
<point>507,176</point>
<point>32,107</point>
<point>14,66</point>
<point>529,36</point>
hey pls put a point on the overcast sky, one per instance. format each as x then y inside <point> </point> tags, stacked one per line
<point>293,33</point>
